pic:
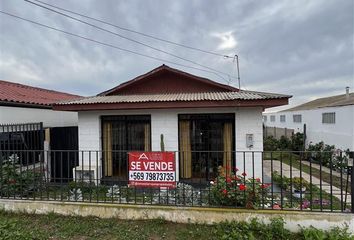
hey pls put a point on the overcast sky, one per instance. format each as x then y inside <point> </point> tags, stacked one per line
<point>302,48</point>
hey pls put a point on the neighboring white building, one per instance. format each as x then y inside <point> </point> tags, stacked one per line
<point>205,121</point>
<point>329,119</point>
<point>25,104</point>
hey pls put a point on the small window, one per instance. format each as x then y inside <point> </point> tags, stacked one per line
<point>282,118</point>
<point>329,118</point>
<point>297,118</point>
<point>265,118</point>
<point>272,118</point>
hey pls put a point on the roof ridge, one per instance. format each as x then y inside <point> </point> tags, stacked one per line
<point>337,100</point>
<point>166,67</point>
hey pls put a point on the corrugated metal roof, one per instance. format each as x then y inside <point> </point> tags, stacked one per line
<point>176,97</point>
<point>24,94</point>
<point>333,101</point>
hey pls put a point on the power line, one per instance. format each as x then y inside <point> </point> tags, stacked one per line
<point>134,31</point>
<point>129,39</point>
<point>109,45</point>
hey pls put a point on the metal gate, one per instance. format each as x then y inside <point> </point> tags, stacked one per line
<point>15,139</point>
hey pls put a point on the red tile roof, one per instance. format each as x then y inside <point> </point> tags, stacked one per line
<point>26,95</point>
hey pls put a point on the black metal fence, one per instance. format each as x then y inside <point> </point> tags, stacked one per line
<point>20,137</point>
<point>300,181</point>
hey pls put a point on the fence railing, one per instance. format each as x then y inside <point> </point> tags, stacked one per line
<point>300,181</point>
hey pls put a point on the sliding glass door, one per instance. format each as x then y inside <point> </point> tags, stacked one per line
<point>121,134</point>
<point>206,141</point>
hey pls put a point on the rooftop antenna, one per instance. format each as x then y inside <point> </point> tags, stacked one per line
<point>238,71</point>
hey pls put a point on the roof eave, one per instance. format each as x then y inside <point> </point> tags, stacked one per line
<point>264,103</point>
<point>24,105</point>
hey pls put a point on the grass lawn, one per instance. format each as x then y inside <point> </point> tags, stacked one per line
<point>29,226</point>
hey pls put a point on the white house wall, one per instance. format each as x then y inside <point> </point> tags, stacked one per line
<point>247,121</point>
<point>340,134</point>
<point>50,118</point>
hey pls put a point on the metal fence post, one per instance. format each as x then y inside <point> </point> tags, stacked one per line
<point>350,163</point>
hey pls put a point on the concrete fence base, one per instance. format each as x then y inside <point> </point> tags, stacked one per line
<point>320,220</point>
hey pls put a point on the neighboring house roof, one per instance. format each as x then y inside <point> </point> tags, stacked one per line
<point>15,94</point>
<point>333,101</point>
<point>165,87</point>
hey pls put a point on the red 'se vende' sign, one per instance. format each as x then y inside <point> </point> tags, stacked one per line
<point>152,169</point>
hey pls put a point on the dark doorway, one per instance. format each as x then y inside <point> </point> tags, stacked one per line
<point>64,143</point>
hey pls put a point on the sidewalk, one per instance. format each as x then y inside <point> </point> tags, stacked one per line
<point>336,192</point>
<point>326,169</point>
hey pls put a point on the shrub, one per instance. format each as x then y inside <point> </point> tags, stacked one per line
<point>270,144</point>
<point>300,183</point>
<point>284,143</point>
<point>183,194</point>
<point>340,161</point>
<point>15,182</point>
<point>230,189</point>
<point>320,153</point>
<point>297,142</point>
<point>282,181</point>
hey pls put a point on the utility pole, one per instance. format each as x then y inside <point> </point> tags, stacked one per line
<point>238,71</point>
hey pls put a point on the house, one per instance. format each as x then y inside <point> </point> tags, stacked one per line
<point>329,119</point>
<point>201,120</point>
<point>25,111</point>
<point>25,104</point>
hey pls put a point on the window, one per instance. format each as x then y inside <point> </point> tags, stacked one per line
<point>282,118</point>
<point>206,142</point>
<point>329,118</point>
<point>272,118</point>
<point>297,118</point>
<point>119,135</point>
<point>264,118</point>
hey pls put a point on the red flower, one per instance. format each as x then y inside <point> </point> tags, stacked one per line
<point>244,174</point>
<point>242,187</point>
<point>228,180</point>
<point>224,191</point>
<point>236,169</point>
<point>235,178</point>
<point>276,206</point>
<point>258,179</point>
<point>12,181</point>
<point>264,185</point>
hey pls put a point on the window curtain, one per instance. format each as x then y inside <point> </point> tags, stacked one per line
<point>107,148</point>
<point>147,145</point>
<point>185,149</point>
<point>227,138</point>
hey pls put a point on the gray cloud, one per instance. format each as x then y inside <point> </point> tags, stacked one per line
<point>302,48</point>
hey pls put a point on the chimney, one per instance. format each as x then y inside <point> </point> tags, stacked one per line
<point>347,92</point>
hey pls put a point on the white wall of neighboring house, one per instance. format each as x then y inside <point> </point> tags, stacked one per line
<point>247,121</point>
<point>340,134</point>
<point>50,118</point>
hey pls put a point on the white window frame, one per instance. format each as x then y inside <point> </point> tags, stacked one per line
<point>282,118</point>
<point>329,118</point>
<point>295,120</point>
